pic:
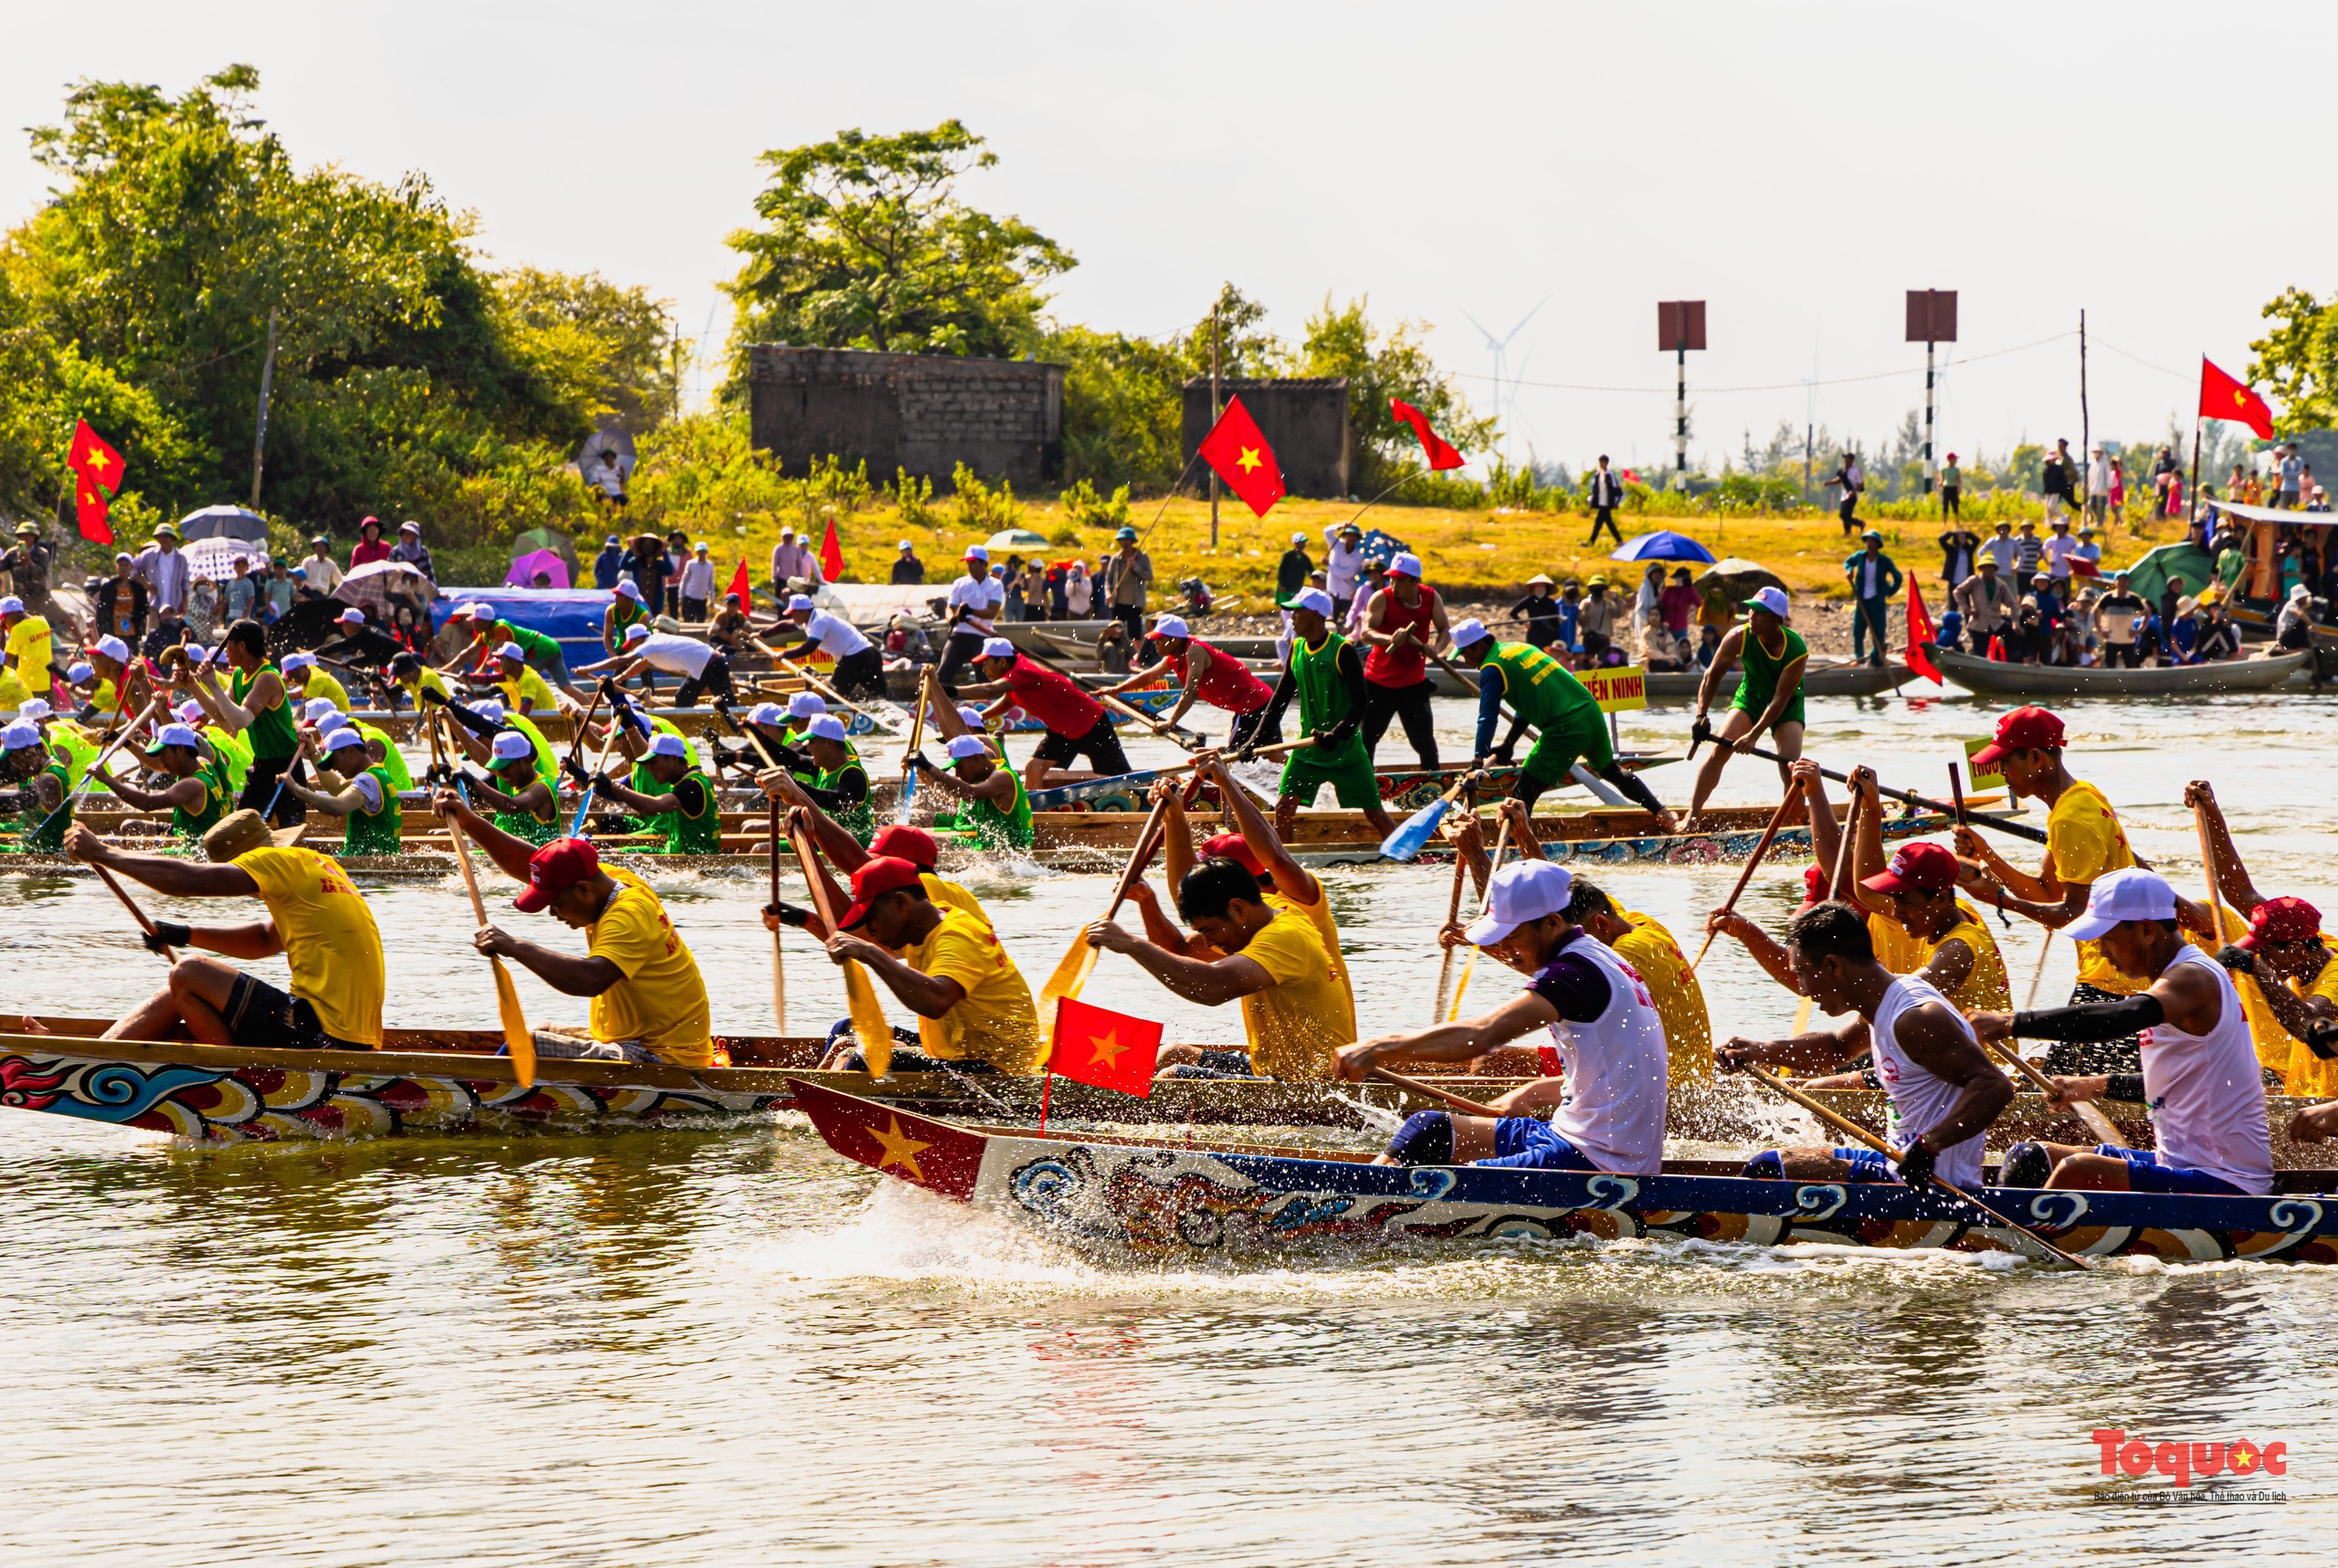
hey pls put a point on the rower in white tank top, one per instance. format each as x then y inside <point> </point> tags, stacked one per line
<point>1617,1068</point>
<point>1919,1099</point>
<point>2206,1095</point>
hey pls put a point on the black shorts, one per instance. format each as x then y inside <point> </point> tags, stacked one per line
<point>259,1018</point>
<point>861,674</point>
<point>715,677</point>
<point>1101,746</point>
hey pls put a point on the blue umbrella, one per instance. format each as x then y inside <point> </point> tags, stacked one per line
<point>1662,545</point>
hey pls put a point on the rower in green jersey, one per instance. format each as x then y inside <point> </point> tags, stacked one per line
<point>385,752</point>
<point>44,800</point>
<point>993,803</point>
<point>524,805</point>
<point>254,705</point>
<point>356,789</point>
<point>679,804</point>
<point>1326,672</point>
<point>1544,693</point>
<point>1769,698</point>
<point>199,787</point>
<point>823,771</point>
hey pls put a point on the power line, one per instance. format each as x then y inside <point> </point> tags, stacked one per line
<point>1786,385</point>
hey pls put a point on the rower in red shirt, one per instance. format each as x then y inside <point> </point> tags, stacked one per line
<point>1218,678</point>
<point>1076,724</point>
<point>1405,624</point>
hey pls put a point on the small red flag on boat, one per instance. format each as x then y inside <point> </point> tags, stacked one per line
<point>1919,632</point>
<point>2222,397</point>
<point>97,472</point>
<point>1440,451</point>
<point>1238,451</point>
<point>743,587</point>
<point>831,555</point>
<point>1109,1050</point>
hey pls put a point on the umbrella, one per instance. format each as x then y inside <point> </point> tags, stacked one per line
<point>523,570</point>
<point>559,543</point>
<point>378,582</point>
<point>1016,539</point>
<point>222,522</point>
<point>1733,581</point>
<point>1662,545</point>
<point>214,556</point>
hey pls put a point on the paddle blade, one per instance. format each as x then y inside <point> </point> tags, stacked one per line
<point>909,794</point>
<point>869,1025</point>
<point>1444,987</point>
<point>518,1038</point>
<point>1078,961</point>
<point>1415,831</point>
<point>1462,988</point>
<point>778,987</point>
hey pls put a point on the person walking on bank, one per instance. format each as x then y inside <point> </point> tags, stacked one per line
<point>1405,624</point>
<point>1851,478</point>
<point>1875,581</point>
<point>1606,495</point>
<point>1342,565</point>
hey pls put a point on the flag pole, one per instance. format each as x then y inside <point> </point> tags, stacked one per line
<point>2192,497</point>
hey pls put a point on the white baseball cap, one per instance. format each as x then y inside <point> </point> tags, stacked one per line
<point>1298,539</point>
<point>191,711</point>
<point>317,709</point>
<point>2133,894</point>
<point>17,736</point>
<point>12,605</point>
<point>491,711</point>
<point>1773,599</point>
<point>971,714</point>
<point>664,745</point>
<point>1405,565</point>
<point>174,735</point>
<point>479,610</point>
<point>292,661</point>
<point>1525,891</point>
<point>827,727</point>
<point>904,544</point>
<point>964,746</point>
<point>626,587</point>
<point>80,672</point>
<point>1469,631</point>
<point>1171,626</point>
<point>511,746</point>
<point>340,738</point>
<point>636,632</point>
<point>513,652</point>
<point>1313,599</point>
<point>977,553</point>
<point>770,713</point>
<point>998,647</point>
<point>113,647</point>
<point>799,601</point>
<point>352,616</point>
<point>807,705</point>
<point>34,708</point>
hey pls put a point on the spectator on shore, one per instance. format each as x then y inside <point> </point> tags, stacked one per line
<point>1079,590</point>
<point>121,602</point>
<point>907,567</point>
<point>1708,644</point>
<point>1342,565</point>
<point>2087,559</point>
<point>2118,497</point>
<point>2004,549</point>
<point>2029,550</point>
<point>1128,576</point>
<point>607,476</point>
<point>1648,599</point>
<point>1595,620</point>
<point>2219,638</point>
<point>412,551</point>
<point>2098,486</point>
<point>2292,472</point>
<point>1851,480</point>
<point>319,570</point>
<point>1948,632</point>
<point>2061,548</point>
<point>1678,603</point>
<point>791,560</point>
<point>2183,631</point>
<point>645,564</point>
<point>1875,579</point>
<point>2117,619</point>
<point>2163,464</point>
<point>1540,611</point>
<point>1607,493</point>
<point>608,563</point>
<point>1293,569</point>
<point>697,583</point>
<point>1952,491</point>
<point>1570,621</point>
<point>1956,547</point>
<point>369,547</point>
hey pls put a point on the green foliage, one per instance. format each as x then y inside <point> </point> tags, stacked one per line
<point>864,244</point>
<point>1122,406</point>
<point>606,349</point>
<point>981,509</point>
<point>1341,341</point>
<point>2299,359</point>
<point>1750,493</point>
<point>1086,509</point>
<point>913,499</point>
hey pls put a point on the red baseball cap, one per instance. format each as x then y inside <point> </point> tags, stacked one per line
<point>1813,884</point>
<point>2283,919</point>
<point>2023,730</point>
<point>875,879</point>
<point>915,845</point>
<point>554,869</point>
<point>1926,868</point>
<point>1235,847</point>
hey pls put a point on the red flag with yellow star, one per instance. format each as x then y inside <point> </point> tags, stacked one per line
<point>2222,397</point>
<point>1110,1050</point>
<point>1235,447</point>
<point>97,473</point>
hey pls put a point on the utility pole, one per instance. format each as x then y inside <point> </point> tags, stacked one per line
<point>1809,437</point>
<point>1679,327</point>
<point>1931,319</point>
<point>2086,444</point>
<point>259,429</point>
<point>1216,409</point>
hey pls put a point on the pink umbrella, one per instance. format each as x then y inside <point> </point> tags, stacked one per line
<point>524,571</point>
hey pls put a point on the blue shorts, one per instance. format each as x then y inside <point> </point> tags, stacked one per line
<point>1865,1164</point>
<point>1523,1143</point>
<point>1214,1064</point>
<point>2146,1174</point>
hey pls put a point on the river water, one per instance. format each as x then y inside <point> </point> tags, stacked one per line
<point>729,1346</point>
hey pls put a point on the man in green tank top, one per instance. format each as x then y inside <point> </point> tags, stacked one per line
<point>525,806</point>
<point>997,808</point>
<point>199,790</point>
<point>1544,693</point>
<point>356,789</point>
<point>1326,673</point>
<point>824,770</point>
<point>678,804</point>
<point>43,801</point>
<point>1769,697</point>
<point>255,706</point>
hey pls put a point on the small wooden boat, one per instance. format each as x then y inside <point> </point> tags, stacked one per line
<point>1400,789</point>
<point>1821,677</point>
<point>1185,1200</point>
<point>1991,678</point>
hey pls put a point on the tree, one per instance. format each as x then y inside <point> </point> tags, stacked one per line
<point>607,349</point>
<point>864,244</point>
<point>1342,341</point>
<point>2298,358</point>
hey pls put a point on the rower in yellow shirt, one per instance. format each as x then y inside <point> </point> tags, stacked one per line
<point>316,919</point>
<point>2282,966</point>
<point>524,692</point>
<point>648,999</point>
<point>29,651</point>
<point>307,680</point>
<point>414,678</point>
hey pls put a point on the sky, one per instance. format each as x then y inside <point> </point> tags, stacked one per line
<point>1797,167</point>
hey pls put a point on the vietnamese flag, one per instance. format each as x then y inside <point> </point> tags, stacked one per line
<point>1440,451</point>
<point>831,555</point>
<point>98,470</point>
<point>743,587</point>
<point>1919,632</point>
<point>1235,447</point>
<point>1098,1046</point>
<point>2222,397</point>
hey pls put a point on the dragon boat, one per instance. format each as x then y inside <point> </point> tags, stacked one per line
<point>1184,1200</point>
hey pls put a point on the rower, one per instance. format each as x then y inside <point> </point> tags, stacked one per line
<point>411,676</point>
<point>306,680</point>
<point>648,999</point>
<point>1566,718</point>
<point>42,788</point>
<point>1327,673</point>
<point>321,718</point>
<point>995,805</point>
<point>2084,842</point>
<point>30,648</point>
<point>320,922</point>
<point>823,771</point>
<point>1944,1091</point>
<point>1405,626</point>
<point>1295,1009</point>
<point>2199,1076</point>
<point>975,1012</point>
<point>356,787</point>
<point>1769,697</point>
<point>256,706</point>
<point>2285,943</point>
<point>974,602</point>
<point>110,668</point>
<point>1076,724</point>
<point>233,751</point>
<point>1209,676</point>
<point>859,665</point>
<point>1605,1070</point>
<point>66,740</point>
<point>478,731</point>
<point>626,612</point>
<point>539,651</point>
<point>679,802</point>
<point>524,804</point>
<point>846,854</point>
<point>199,787</point>
<point>698,665</point>
<point>524,691</point>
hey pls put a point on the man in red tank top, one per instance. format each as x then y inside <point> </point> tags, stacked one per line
<point>1218,678</point>
<point>1076,724</point>
<point>1405,624</point>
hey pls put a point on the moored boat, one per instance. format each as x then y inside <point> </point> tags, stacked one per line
<point>1990,678</point>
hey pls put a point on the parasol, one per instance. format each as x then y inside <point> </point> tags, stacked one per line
<point>524,569</point>
<point>1662,545</point>
<point>223,523</point>
<point>1724,586</point>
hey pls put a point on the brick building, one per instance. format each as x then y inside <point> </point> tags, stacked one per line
<point>1304,420</point>
<point>924,413</point>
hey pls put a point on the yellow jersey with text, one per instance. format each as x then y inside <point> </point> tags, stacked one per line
<point>661,1002</point>
<point>995,1020</point>
<point>2086,842</point>
<point>330,940</point>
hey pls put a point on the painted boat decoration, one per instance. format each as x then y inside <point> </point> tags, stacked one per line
<point>1189,1201</point>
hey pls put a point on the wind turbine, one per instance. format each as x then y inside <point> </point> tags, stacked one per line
<point>1500,347</point>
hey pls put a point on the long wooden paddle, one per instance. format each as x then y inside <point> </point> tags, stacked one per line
<point>2208,869</point>
<point>1429,1090</point>
<point>860,1004</point>
<point>1501,847</point>
<point>1175,735</point>
<point>131,905</point>
<point>1412,835</point>
<point>1845,1125</point>
<point>100,760</point>
<point>2003,824</point>
<point>518,1038</point>
<point>917,739</point>
<point>889,722</point>
<point>1072,970</point>
<point>1777,821</point>
<point>1452,914</point>
<point>778,955</point>
<point>2087,1112</point>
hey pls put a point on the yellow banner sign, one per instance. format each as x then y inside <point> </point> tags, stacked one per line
<point>1621,689</point>
<point>1978,778</point>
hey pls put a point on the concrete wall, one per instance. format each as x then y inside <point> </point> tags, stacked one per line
<point>1305,420</point>
<point>924,413</point>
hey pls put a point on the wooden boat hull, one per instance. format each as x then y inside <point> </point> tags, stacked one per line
<point>1400,789</point>
<point>1194,1202</point>
<point>1845,680</point>
<point>1991,679</point>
